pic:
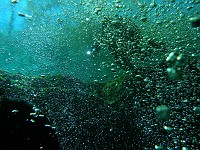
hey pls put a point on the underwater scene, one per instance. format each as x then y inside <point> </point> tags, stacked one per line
<point>100,74</point>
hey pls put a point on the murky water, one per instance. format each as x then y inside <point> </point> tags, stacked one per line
<point>117,57</point>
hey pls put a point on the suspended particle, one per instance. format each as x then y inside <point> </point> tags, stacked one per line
<point>173,73</point>
<point>167,128</point>
<point>185,148</point>
<point>172,57</point>
<point>32,120</point>
<point>15,1</point>
<point>153,4</point>
<point>21,14</point>
<point>159,147</point>
<point>33,114</point>
<point>195,21</point>
<point>163,112</point>
<point>15,111</point>
<point>197,110</point>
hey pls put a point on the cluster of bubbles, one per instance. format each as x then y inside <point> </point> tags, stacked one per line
<point>168,107</point>
<point>131,50</point>
<point>174,72</point>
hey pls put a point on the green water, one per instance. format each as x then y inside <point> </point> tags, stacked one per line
<point>108,74</point>
<point>55,36</point>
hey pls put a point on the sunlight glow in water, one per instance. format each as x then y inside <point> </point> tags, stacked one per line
<point>88,52</point>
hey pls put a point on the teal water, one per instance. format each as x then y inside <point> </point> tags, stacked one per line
<point>108,74</point>
<point>55,36</point>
